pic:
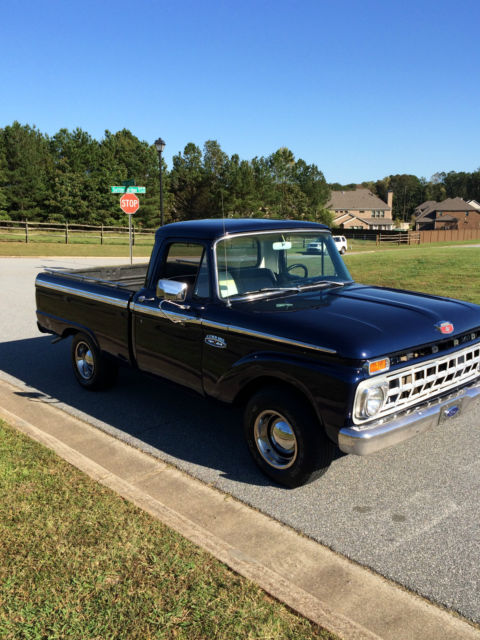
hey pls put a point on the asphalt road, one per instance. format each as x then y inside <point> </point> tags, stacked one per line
<point>411,513</point>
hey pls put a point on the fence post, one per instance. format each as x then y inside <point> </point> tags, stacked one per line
<point>26,231</point>
<point>377,240</point>
<point>66,233</point>
<point>101,235</point>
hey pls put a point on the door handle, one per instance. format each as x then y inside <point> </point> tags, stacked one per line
<point>144,299</point>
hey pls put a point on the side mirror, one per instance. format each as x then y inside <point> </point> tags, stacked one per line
<point>171,290</point>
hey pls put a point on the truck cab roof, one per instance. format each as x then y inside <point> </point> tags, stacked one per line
<point>211,229</point>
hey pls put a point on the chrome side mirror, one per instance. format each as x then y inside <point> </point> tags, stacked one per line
<point>171,290</point>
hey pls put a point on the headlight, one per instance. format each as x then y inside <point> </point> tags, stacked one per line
<point>371,400</point>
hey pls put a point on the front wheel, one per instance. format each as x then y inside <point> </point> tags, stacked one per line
<point>92,370</point>
<point>285,438</point>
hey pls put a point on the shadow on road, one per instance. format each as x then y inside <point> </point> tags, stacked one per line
<point>180,423</point>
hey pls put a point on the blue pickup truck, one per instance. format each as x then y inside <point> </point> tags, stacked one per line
<point>242,311</point>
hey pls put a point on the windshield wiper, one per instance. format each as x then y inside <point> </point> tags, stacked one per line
<point>321,283</point>
<point>244,294</point>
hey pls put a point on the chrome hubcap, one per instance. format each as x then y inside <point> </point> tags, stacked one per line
<point>84,360</point>
<point>275,439</point>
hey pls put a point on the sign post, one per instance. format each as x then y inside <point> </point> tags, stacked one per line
<point>129,204</point>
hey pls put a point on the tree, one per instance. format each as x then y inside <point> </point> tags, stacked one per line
<point>27,165</point>
<point>72,187</point>
<point>314,186</point>
<point>435,189</point>
<point>239,189</point>
<point>125,157</point>
<point>188,185</point>
<point>215,163</point>
<point>457,184</point>
<point>68,178</point>
<point>408,193</point>
<point>3,182</point>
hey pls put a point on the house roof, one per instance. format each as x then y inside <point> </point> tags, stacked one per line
<point>378,221</point>
<point>454,204</point>
<point>352,216</point>
<point>446,218</point>
<point>358,199</point>
<point>424,207</point>
<point>450,204</point>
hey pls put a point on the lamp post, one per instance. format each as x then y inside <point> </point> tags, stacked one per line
<point>160,146</point>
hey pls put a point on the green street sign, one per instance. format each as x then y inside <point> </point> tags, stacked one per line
<point>117,189</point>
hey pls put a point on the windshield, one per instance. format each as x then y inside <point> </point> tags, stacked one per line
<point>262,263</point>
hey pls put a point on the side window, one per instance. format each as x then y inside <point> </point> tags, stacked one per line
<point>187,262</point>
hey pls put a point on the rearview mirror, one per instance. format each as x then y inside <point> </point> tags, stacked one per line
<point>282,246</point>
<point>172,290</point>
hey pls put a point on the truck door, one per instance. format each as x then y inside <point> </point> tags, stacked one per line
<point>167,340</point>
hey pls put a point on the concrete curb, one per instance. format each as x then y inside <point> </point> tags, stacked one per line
<point>328,589</point>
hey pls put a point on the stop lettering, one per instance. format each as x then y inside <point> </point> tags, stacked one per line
<point>129,203</point>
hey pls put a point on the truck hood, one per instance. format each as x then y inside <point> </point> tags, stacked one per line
<point>359,321</point>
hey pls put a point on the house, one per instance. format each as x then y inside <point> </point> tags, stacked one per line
<point>360,209</point>
<point>452,213</point>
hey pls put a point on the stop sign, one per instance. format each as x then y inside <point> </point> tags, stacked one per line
<point>129,203</point>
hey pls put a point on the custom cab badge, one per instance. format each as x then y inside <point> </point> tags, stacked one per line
<point>444,327</point>
<point>215,341</point>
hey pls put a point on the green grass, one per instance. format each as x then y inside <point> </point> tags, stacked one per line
<point>57,249</point>
<point>370,245</point>
<point>79,562</point>
<point>440,270</point>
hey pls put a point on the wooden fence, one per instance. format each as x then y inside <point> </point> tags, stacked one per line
<point>403,237</point>
<point>447,235</point>
<point>24,231</point>
<point>410,237</point>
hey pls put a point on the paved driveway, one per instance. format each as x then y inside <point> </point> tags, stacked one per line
<point>410,513</point>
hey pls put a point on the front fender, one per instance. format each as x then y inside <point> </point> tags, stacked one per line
<point>328,387</point>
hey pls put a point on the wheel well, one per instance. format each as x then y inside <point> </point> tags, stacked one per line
<point>256,385</point>
<point>70,332</point>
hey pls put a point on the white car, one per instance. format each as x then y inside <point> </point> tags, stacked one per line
<point>341,243</point>
<point>316,247</point>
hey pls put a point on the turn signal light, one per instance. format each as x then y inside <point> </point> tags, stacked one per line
<point>376,366</point>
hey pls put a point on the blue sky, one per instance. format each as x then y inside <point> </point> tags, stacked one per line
<point>362,89</point>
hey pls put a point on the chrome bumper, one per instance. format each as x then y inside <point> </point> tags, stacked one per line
<point>380,435</point>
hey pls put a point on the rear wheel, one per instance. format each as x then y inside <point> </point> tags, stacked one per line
<point>285,438</point>
<point>92,370</point>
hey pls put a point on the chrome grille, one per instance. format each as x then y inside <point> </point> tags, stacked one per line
<point>418,383</point>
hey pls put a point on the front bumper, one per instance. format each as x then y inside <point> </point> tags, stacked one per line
<point>382,434</point>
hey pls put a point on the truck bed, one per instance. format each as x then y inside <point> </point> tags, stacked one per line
<point>125,277</point>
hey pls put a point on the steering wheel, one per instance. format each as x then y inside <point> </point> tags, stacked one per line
<point>298,265</point>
